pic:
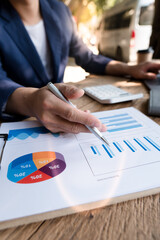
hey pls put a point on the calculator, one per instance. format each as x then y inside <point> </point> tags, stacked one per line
<point>109,94</point>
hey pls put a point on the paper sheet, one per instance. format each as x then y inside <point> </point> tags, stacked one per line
<point>42,172</point>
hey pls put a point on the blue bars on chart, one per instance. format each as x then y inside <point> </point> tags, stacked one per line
<point>114,116</point>
<point>129,145</point>
<point>108,150</point>
<point>152,143</point>
<point>95,150</point>
<point>124,128</point>
<point>118,146</point>
<point>141,144</point>
<point>135,144</point>
<point>120,122</point>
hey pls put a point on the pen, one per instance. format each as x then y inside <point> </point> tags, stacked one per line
<point>4,137</point>
<point>58,94</point>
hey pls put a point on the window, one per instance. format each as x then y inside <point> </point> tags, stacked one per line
<point>106,23</point>
<point>120,20</point>
<point>146,15</point>
<point>125,18</point>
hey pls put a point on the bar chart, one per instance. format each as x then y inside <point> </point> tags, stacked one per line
<point>123,153</point>
<point>129,145</point>
<point>120,122</point>
<point>116,123</point>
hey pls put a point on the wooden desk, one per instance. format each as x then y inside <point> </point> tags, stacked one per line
<point>137,219</point>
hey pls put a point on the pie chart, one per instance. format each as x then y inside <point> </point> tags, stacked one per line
<point>36,167</point>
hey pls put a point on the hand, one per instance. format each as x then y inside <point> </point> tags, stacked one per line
<point>53,113</point>
<point>147,70</point>
<point>59,116</point>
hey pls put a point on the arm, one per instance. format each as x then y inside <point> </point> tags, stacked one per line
<point>7,87</point>
<point>53,113</point>
<point>84,57</point>
<point>98,64</point>
<point>147,70</point>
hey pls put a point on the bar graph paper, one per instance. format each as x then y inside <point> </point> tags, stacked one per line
<point>133,138</point>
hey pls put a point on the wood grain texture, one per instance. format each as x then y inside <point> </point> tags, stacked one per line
<point>138,219</point>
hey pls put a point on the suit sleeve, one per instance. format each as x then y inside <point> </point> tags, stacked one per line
<point>84,57</point>
<point>7,87</point>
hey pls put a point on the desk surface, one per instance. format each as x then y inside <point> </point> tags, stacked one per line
<point>135,220</point>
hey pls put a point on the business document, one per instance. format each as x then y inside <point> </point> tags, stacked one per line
<point>44,172</point>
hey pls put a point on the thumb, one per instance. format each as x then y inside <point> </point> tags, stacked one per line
<point>70,92</point>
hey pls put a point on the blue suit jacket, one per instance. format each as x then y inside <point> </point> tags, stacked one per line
<point>20,64</point>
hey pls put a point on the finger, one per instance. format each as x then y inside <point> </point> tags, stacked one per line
<point>70,92</point>
<point>151,67</point>
<point>149,76</point>
<point>61,125</point>
<point>103,127</point>
<point>60,108</point>
<point>55,106</point>
<point>75,115</point>
<point>68,127</point>
<point>87,111</point>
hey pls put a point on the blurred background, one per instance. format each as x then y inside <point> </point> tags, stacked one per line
<point>118,28</point>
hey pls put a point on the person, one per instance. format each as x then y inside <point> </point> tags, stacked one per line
<point>155,36</point>
<point>36,38</point>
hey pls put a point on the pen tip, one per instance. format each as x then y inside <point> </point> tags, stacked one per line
<point>105,140</point>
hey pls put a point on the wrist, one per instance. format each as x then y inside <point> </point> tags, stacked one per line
<point>21,101</point>
<point>117,68</point>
